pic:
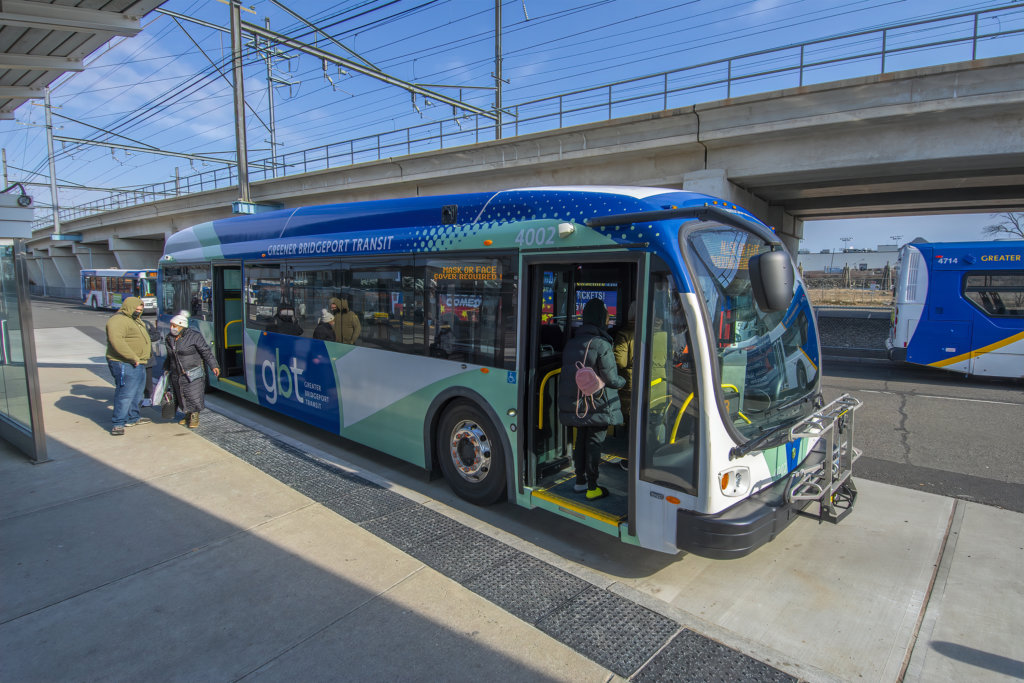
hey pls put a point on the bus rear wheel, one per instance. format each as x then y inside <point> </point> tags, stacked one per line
<point>470,455</point>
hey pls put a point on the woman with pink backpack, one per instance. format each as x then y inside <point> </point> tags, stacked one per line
<point>588,396</point>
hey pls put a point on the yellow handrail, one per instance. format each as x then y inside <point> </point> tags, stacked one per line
<point>679,416</point>
<point>540,406</point>
<point>229,324</point>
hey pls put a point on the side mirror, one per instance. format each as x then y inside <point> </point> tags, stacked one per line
<point>772,279</point>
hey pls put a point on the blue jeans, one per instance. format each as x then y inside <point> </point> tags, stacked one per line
<point>129,383</point>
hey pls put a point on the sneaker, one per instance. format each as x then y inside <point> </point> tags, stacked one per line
<point>117,430</point>
<point>193,421</point>
<point>597,494</point>
<point>147,402</point>
<point>140,421</point>
<point>579,488</point>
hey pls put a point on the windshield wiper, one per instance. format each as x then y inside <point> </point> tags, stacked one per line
<point>762,441</point>
<point>818,402</point>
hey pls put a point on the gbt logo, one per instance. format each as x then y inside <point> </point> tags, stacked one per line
<point>281,379</point>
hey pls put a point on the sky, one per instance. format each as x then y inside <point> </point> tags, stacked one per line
<point>169,87</point>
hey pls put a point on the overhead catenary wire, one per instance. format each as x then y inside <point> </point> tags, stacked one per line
<point>374,111</point>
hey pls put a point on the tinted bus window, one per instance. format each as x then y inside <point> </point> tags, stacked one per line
<point>470,310</point>
<point>998,294</point>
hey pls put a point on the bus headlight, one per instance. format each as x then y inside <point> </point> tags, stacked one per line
<point>734,481</point>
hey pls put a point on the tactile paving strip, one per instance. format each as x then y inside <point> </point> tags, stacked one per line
<point>603,626</point>
<point>526,587</point>
<point>463,553</point>
<point>411,527</point>
<point>609,629</point>
<point>692,657</point>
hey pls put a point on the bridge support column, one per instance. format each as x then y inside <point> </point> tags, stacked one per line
<point>715,182</point>
<point>35,272</point>
<point>68,270</point>
<point>94,256</point>
<point>789,229</point>
<point>136,253</point>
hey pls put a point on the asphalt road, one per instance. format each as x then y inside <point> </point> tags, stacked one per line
<point>919,428</point>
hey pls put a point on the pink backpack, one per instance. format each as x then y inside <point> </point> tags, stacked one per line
<point>588,383</point>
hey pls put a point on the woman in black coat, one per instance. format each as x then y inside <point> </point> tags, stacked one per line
<point>592,347</point>
<point>187,351</point>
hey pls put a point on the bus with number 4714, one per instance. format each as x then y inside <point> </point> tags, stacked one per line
<point>464,304</point>
<point>959,306</point>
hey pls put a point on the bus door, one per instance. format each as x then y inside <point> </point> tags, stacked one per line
<point>557,293</point>
<point>227,322</point>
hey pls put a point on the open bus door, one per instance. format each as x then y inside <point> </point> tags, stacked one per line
<point>227,323</point>
<point>556,293</point>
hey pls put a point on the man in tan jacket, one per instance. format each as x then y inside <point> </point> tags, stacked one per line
<point>128,348</point>
<point>346,323</point>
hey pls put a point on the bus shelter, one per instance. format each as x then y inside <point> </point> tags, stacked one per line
<point>21,413</point>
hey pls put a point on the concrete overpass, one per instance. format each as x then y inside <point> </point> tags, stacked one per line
<point>939,139</point>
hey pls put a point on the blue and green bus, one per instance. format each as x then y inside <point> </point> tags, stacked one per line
<point>464,303</point>
<point>959,306</point>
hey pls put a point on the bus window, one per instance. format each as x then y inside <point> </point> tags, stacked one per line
<point>187,288</point>
<point>311,287</point>
<point>386,297</point>
<point>672,404</point>
<point>1000,295</point>
<point>263,295</point>
<point>470,310</point>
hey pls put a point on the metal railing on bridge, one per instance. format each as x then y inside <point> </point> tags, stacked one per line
<point>970,35</point>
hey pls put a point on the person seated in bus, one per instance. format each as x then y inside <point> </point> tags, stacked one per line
<point>590,347</point>
<point>284,321</point>
<point>347,327</point>
<point>325,328</point>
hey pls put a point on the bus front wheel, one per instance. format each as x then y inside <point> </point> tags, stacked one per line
<point>470,455</point>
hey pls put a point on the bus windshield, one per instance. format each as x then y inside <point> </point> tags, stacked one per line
<point>147,287</point>
<point>767,361</point>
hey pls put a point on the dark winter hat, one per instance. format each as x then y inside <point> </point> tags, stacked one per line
<point>595,313</point>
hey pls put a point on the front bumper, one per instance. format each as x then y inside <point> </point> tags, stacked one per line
<point>741,529</point>
<point>824,476</point>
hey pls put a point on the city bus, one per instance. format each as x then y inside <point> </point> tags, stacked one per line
<point>108,287</point>
<point>466,302</point>
<point>959,306</point>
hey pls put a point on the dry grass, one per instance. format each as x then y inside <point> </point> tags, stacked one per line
<point>874,298</point>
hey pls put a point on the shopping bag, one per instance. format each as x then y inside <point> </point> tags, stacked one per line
<point>158,390</point>
<point>167,405</point>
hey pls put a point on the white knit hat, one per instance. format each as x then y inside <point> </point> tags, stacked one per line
<point>180,320</point>
<point>325,316</point>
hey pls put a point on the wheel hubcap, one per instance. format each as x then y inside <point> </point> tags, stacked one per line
<point>470,451</point>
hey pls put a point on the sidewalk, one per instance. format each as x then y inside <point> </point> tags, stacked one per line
<point>159,556</point>
<point>223,554</point>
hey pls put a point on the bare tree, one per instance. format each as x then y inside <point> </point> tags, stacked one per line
<point>1010,224</point>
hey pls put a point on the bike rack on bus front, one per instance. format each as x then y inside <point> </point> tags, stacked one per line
<point>828,480</point>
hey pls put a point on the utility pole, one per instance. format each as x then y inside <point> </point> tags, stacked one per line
<point>237,77</point>
<point>497,69</point>
<point>6,183</point>
<point>270,103</point>
<point>53,168</point>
